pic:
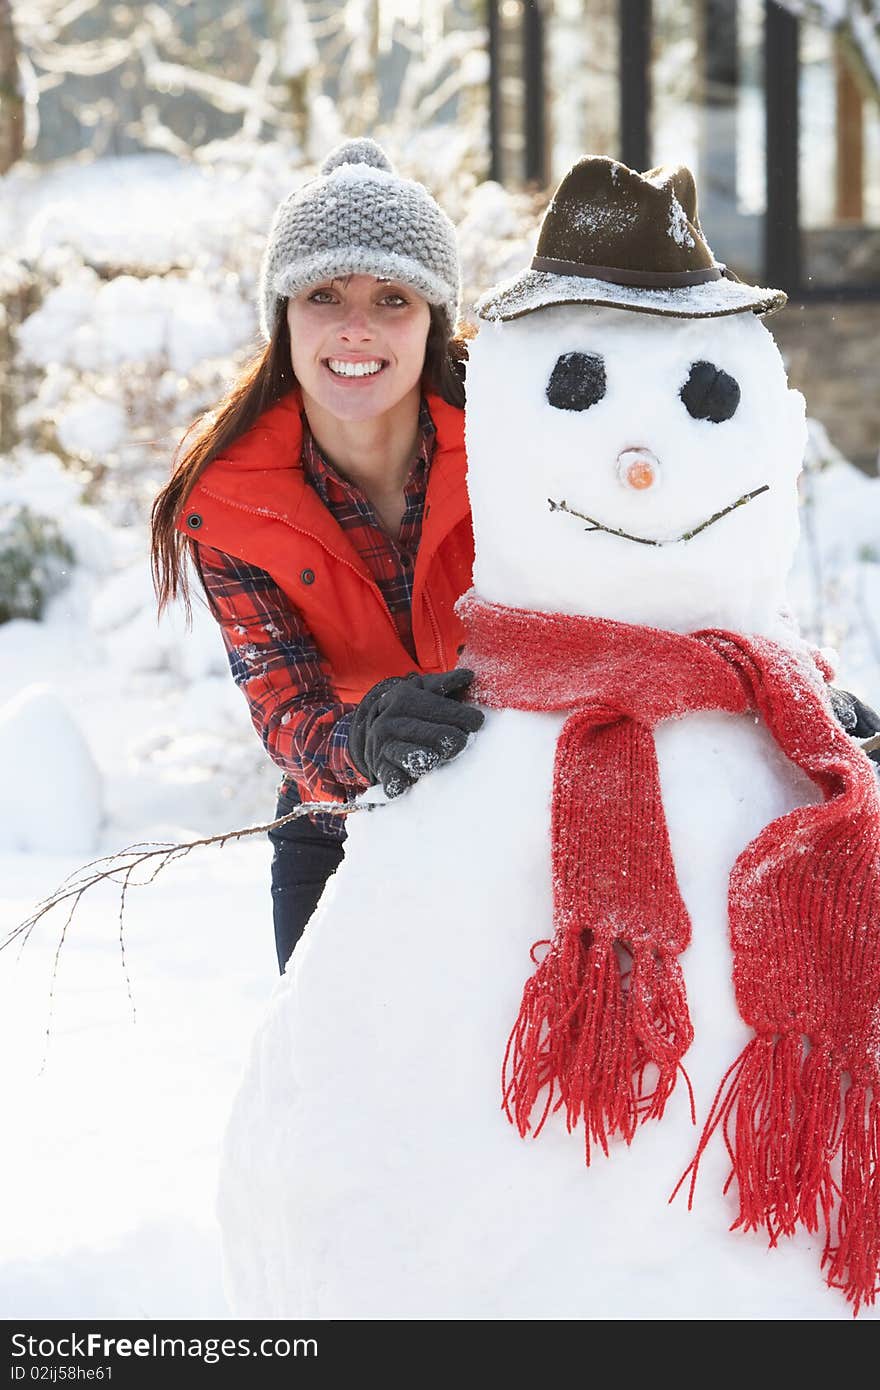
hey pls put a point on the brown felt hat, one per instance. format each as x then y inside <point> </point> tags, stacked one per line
<point>633,241</point>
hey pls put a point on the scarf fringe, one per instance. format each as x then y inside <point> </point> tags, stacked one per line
<point>588,1033</point>
<point>779,1109</point>
<point>854,1262</point>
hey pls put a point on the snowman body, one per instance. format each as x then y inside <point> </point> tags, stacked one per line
<point>369,1168</point>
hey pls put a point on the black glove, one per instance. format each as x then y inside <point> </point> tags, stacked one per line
<point>855,718</point>
<point>406,725</point>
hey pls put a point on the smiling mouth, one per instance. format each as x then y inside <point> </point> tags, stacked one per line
<point>645,540</point>
<point>364,370</point>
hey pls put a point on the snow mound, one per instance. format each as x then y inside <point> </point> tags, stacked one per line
<point>50,791</point>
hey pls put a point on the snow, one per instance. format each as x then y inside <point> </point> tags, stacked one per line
<point>107,1169</point>
<point>298,52</point>
<point>116,211</point>
<point>533,289</point>
<point>39,735</point>
<point>114,728</point>
<point>112,1156</point>
<point>434,1224</point>
<point>92,428</point>
<point>678,224</point>
<point>157,319</point>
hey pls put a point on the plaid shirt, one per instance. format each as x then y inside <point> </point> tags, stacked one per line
<point>272,654</point>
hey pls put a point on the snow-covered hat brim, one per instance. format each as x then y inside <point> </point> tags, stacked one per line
<point>539,289</point>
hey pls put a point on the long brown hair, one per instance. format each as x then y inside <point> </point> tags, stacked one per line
<point>262,381</point>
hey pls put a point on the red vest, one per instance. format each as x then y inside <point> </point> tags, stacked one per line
<point>254,503</point>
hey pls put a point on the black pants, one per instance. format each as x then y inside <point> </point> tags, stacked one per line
<point>303,861</point>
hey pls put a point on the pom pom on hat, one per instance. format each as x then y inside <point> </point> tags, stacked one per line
<point>362,151</point>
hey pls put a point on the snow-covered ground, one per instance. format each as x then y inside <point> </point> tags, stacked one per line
<point>118,1073</point>
<point>114,1119</point>
<point>120,1070</point>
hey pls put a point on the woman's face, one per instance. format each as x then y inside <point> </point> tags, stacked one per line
<point>357,344</point>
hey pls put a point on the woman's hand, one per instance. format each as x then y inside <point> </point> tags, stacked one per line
<point>406,725</point>
<point>855,717</point>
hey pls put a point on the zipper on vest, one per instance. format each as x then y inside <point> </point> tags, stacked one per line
<point>438,640</point>
<point>276,516</point>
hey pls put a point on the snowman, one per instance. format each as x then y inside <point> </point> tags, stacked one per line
<point>586,1025</point>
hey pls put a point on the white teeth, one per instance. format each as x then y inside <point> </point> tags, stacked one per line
<point>354,368</point>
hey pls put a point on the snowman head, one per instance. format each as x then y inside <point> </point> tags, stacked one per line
<point>633,466</point>
<point>633,447</point>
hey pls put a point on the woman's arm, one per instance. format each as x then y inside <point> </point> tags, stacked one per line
<point>277,666</point>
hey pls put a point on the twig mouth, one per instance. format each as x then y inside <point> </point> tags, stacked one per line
<point>645,540</point>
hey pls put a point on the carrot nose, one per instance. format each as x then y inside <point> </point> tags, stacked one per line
<point>638,468</point>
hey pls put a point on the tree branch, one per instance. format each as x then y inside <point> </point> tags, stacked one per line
<point>157,856</point>
<point>644,540</point>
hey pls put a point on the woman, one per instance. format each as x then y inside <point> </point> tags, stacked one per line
<point>325,509</point>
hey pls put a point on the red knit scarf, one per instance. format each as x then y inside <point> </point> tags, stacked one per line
<point>800,1106</point>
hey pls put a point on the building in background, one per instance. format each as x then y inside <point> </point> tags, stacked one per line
<point>778,116</point>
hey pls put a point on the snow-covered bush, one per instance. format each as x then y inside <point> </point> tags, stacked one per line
<point>35,561</point>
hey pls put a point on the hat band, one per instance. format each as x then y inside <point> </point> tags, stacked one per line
<point>650,279</point>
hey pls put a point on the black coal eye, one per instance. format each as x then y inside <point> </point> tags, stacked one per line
<point>710,393</point>
<point>577,381</point>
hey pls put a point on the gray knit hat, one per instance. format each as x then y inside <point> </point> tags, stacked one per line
<point>357,217</point>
